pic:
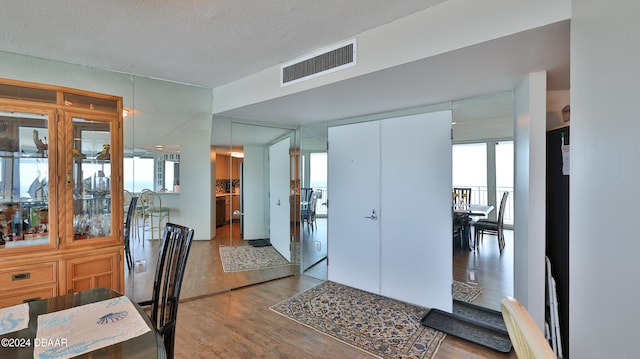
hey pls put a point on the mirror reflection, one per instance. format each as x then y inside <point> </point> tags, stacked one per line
<point>252,187</point>
<point>312,196</point>
<point>482,163</point>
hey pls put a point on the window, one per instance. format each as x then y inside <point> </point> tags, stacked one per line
<point>469,165</point>
<point>138,173</point>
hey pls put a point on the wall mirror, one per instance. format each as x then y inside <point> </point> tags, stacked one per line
<point>253,211</point>
<point>483,160</point>
<point>312,192</point>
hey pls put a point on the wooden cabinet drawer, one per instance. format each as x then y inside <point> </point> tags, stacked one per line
<point>18,296</point>
<point>28,275</point>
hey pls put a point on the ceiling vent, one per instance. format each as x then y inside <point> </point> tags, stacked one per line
<point>319,63</point>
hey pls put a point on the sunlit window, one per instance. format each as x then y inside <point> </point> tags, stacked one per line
<point>138,173</point>
<point>469,163</point>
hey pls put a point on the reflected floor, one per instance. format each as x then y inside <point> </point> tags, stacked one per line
<point>203,275</point>
<point>314,243</point>
<point>492,271</point>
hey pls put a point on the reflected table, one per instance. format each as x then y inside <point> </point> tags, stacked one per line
<point>464,215</point>
<point>148,345</point>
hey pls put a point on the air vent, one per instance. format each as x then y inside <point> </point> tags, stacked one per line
<point>314,65</point>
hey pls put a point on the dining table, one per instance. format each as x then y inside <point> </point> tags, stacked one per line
<point>465,215</point>
<point>95,323</point>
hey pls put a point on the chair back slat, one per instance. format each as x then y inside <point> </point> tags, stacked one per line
<point>133,201</point>
<point>172,260</point>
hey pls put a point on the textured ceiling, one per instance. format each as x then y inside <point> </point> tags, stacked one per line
<point>213,42</point>
<point>200,42</point>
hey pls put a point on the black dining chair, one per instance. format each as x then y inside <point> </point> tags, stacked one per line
<point>307,196</point>
<point>172,259</point>
<point>127,231</point>
<point>492,227</point>
<point>461,196</point>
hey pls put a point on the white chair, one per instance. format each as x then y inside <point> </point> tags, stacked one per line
<point>527,339</point>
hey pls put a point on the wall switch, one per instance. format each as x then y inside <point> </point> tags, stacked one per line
<point>472,276</point>
<point>140,265</point>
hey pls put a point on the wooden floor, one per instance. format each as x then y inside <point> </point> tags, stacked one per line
<point>239,324</point>
<point>204,274</point>
<point>493,271</point>
<point>217,322</point>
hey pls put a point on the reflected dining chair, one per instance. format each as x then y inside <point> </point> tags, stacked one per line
<point>461,196</point>
<point>306,194</point>
<point>131,208</point>
<point>527,339</point>
<point>492,227</point>
<point>172,259</point>
<point>153,213</point>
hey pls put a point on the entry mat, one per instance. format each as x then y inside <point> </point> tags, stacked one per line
<point>260,242</point>
<point>473,323</point>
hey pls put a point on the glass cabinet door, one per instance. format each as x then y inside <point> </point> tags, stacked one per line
<point>92,176</point>
<point>26,165</point>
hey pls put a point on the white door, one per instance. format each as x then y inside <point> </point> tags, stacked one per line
<point>354,180</point>
<point>279,185</point>
<point>390,199</point>
<point>416,244</point>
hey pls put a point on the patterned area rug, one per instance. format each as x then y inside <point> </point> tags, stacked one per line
<point>245,258</point>
<point>465,292</point>
<point>378,325</point>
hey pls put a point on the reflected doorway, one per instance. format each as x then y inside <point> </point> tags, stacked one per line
<point>487,168</point>
<point>313,176</point>
<point>314,229</point>
<point>483,160</point>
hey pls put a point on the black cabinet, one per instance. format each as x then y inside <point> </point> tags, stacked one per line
<point>557,226</point>
<point>220,211</point>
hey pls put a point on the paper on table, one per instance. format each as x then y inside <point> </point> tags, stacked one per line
<point>14,318</point>
<point>82,329</point>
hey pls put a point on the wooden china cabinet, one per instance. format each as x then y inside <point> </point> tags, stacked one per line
<point>61,203</point>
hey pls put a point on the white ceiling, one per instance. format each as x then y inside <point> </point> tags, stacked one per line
<point>200,42</point>
<point>213,42</point>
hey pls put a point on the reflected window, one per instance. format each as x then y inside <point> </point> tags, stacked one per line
<point>469,163</point>
<point>138,173</point>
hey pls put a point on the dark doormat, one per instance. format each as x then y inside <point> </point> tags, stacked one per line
<point>476,324</point>
<point>479,314</point>
<point>260,242</point>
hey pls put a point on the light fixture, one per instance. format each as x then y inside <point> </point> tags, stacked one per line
<point>237,154</point>
<point>125,112</point>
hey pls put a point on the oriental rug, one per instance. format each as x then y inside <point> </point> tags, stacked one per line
<point>378,325</point>
<point>465,292</point>
<point>246,258</point>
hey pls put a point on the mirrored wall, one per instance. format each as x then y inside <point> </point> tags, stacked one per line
<point>312,194</point>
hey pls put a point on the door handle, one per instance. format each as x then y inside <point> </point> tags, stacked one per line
<point>373,216</point>
<point>238,213</point>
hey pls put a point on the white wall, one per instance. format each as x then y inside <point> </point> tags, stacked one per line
<point>604,242</point>
<point>451,25</point>
<point>196,189</point>
<point>530,194</point>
